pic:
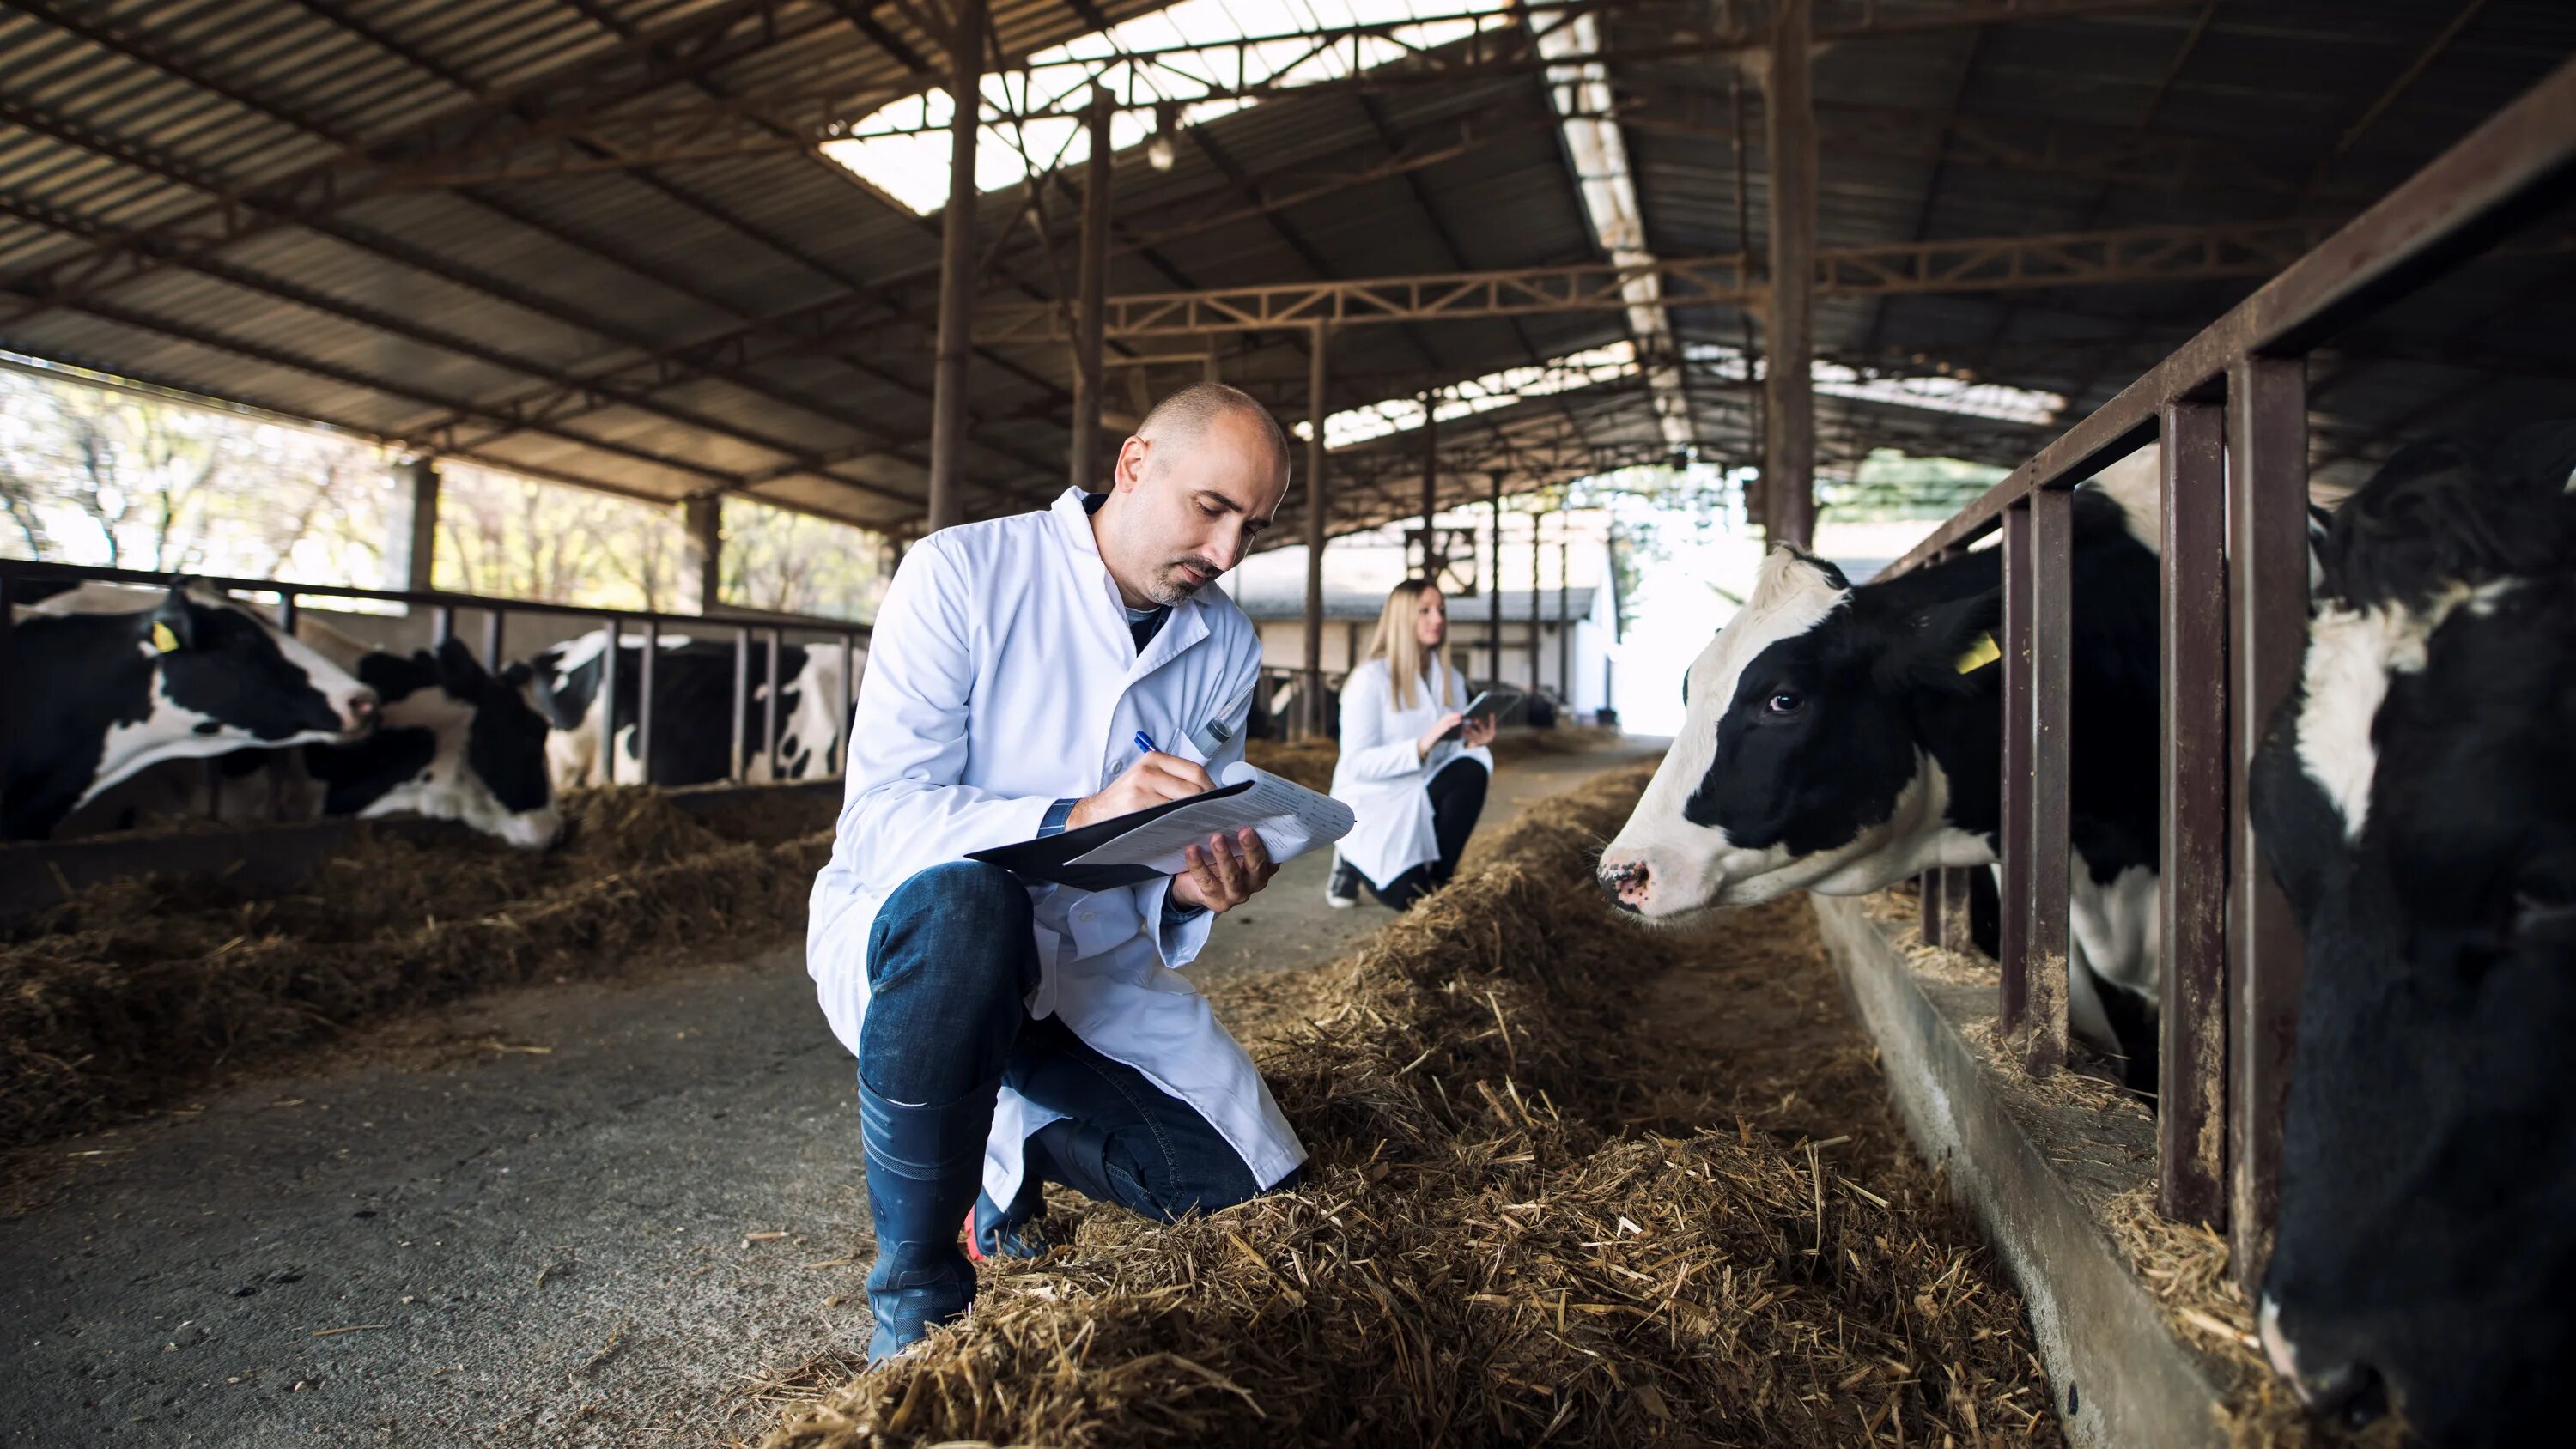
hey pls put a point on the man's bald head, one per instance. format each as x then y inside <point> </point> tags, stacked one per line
<point>1184,418</point>
<point>1194,486</point>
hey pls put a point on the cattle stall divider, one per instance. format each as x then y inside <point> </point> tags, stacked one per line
<point>616,626</point>
<point>2229,409</point>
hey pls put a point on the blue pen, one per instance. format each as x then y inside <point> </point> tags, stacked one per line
<point>1144,742</point>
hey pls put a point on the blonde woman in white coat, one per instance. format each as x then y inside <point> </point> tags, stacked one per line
<point>1410,768</point>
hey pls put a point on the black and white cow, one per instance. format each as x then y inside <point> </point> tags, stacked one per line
<point>1839,739</point>
<point>692,702</point>
<point>453,742</point>
<point>2416,798</point>
<point>102,689</point>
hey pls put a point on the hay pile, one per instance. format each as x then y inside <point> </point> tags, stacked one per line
<point>1308,762</point>
<point>135,990</point>
<point>1505,1235</point>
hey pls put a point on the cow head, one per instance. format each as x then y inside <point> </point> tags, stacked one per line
<point>459,743</point>
<point>1800,765</point>
<point>2417,799</point>
<point>241,674</point>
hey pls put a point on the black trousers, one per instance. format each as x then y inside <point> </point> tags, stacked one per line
<point>1457,798</point>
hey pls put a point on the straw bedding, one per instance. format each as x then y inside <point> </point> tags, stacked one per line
<point>1570,1182</point>
<point>135,990</point>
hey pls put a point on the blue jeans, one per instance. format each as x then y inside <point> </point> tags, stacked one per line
<point>951,958</point>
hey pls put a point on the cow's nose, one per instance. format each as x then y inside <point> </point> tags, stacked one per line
<point>1624,882</point>
<point>2352,1392</point>
<point>358,711</point>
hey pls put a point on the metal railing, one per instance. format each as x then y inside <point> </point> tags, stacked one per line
<point>2230,411</point>
<point>443,608</point>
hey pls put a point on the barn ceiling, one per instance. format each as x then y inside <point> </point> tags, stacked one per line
<point>606,242</point>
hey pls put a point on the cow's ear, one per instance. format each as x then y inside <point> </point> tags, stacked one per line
<point>457,664</point>
<point>174,623</point>
<point>516,674</point>
<point>1944,646</point>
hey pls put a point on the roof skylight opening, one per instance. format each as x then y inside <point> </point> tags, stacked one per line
<point>1478,394</point>
<point>902,148</point>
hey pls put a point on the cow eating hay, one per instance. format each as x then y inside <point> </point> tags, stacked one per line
<point>1479,1255</point>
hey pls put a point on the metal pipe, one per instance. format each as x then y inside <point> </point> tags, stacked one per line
<point>1093,290</point>
<point>1430,485</point>
<point>286,612</point>
<point>1494,585</point>
<point>947,502</point>
<point>644,702</point>
<point>608,702</point>
<point>1318,499</point>
<point>2012,992</point>
<point>741,699</point>
<point>2052,625</point>
<point>849,702</point>
<point>2267,598</point>
<point>769,708</point>
<point>1565,613</point>
<point>442,625</point>
<point>494,621</point>
<point>1537,643</point>
<point>1789,438</point>
<point>2192,829</point>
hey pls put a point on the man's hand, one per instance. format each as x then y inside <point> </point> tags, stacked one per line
<point>1225,872</point>
<point>1431,738</point>
<point>1480,732</point>
<point>1148,782</point>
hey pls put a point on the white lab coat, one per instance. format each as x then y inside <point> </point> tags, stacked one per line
<point>1379,777</point>
<point>1002,678</point>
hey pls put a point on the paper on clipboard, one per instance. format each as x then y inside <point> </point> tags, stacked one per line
<point>1290,818</point>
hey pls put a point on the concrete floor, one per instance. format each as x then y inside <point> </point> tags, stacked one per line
<point>573,1214</point>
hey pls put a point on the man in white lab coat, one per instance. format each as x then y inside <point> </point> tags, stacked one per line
<point>1028,675</point>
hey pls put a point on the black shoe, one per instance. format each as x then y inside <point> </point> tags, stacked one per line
<point>1342,891</point>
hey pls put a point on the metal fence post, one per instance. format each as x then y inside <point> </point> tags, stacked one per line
<point>769,707</point>
<point>2267,566</point>
<point>644,702</point>
<point>2192,833</point>
<point>2052,622</point>
<point>608,701</point>
<point>494,620</point>
<point>741,697</point>
<point>2013,992</point>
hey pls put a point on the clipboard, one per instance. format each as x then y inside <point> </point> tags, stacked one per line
<point>1052,857</point>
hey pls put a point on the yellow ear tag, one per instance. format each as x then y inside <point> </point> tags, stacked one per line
<point>1980,654</point>
<point>163,639</point>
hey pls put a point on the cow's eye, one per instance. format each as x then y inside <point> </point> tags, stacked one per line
<point>1786,701</point>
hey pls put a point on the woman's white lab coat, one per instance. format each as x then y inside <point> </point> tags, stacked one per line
<point>1379,776</point>
<point>1002,678</point>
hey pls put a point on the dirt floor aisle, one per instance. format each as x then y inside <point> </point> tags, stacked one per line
<point>561,1215</point>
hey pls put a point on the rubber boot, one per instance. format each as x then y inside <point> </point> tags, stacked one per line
<point>1011,1232</point>
<point>925,1167</point>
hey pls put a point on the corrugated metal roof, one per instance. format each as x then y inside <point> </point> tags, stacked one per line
<point>763,320</point>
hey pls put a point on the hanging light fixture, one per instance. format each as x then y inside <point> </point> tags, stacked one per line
<point>1159,152</point>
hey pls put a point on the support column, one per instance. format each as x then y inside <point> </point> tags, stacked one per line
<point>1789,440</point>
<point>1089,339</point>
<point>1494,586</point>
<point>701,555</point>
<point>1565,611</point>
<point>956,271</point>
<point>1318,498</point>
<point>411,555</point>
<point>1430,485</point>
<point>1538,642</point>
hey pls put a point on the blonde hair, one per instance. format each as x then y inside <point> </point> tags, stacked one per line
<point>1401,647</point>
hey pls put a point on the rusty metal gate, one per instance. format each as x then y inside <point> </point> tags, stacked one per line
<point>2230,411</point>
